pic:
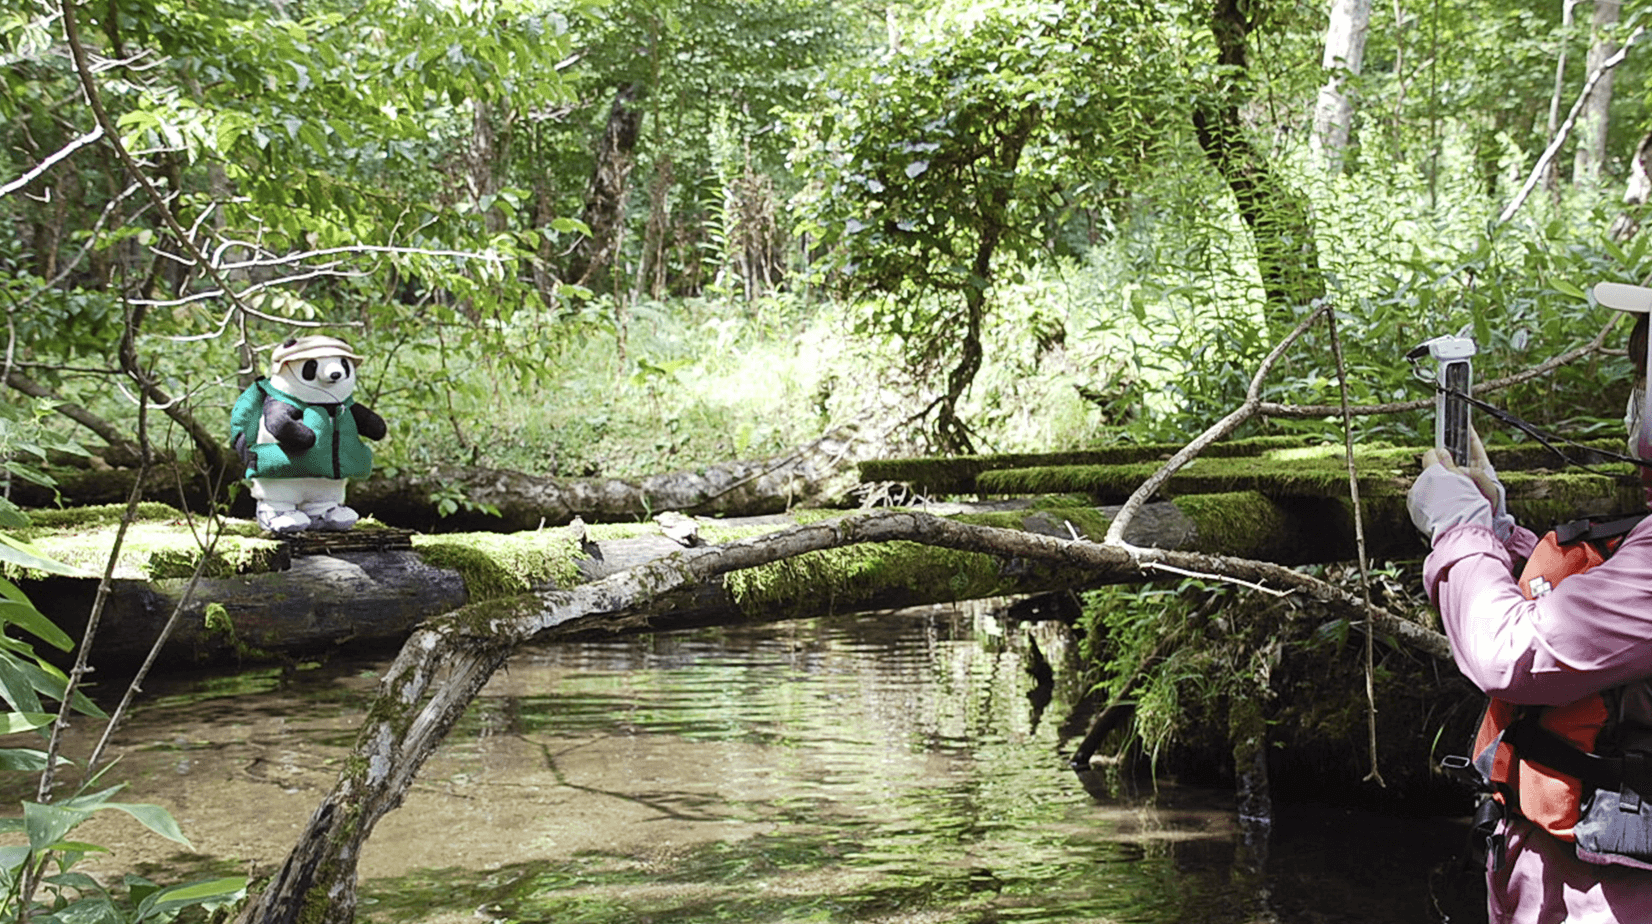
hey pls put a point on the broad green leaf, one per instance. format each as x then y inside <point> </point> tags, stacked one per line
<point>13,722</point>
<point>16,552</point>
<point>47,679</point>
<point>210,891</point>
<point>48,824</point>
<point>1565,287</point>
<point>11,591</point>
<point>92,909</point>
<point>34,622</point>
<point>16,687</point>
<point>25,760</point>
<point>11,515</point>
<point>154,818</point>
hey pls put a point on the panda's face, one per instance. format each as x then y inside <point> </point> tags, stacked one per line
<point>328,380</point>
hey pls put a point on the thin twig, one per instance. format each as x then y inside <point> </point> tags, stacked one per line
<point>1597,345</point>
<point>1359,542</point>
<point>1150,565</point>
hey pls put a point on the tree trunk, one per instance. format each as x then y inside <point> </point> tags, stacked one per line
<point>1567,13</point>
<point>1344,57</point>
<point>506,501</point>
<point>605,197</point>
<point>1637,190</point>
<point>951,433</point>
<point>1277,215</point>
<point>651,264</point>
<point>1593,123</point>
<point>443,666</point>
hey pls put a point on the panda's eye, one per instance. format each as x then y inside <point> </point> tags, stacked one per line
<point>309,370</point>
<point>345,362</point>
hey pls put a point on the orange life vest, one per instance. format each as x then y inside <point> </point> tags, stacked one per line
<point>1545,795</point>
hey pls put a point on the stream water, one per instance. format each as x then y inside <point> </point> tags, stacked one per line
<point>884,768</point>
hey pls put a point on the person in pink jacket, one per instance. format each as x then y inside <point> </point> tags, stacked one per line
<point>1591,633</point>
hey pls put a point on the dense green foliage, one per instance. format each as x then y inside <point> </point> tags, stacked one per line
<point>583,238</point>
<point>38,879</point>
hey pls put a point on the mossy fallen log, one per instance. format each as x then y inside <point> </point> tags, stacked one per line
<point>941,477</point>
<point>1311,480</point>
<point>258,601</point>
<point>502,500</point>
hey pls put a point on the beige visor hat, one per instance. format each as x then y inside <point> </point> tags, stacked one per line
<point>316,346</point>
<point>1637,416</point>
<point>1624,297</point>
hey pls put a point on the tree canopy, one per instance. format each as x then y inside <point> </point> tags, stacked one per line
<point>981,213</point>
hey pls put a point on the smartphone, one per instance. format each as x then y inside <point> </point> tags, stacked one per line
<point>1451,410</point>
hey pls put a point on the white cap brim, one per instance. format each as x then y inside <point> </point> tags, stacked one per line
<point>1624,297</point>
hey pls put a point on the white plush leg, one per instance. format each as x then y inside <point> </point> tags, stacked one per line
<point>278,518</point>
<point>325,506</point>
<point>287,505</point>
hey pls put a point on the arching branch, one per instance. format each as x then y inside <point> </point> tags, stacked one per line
<point>443,665</point>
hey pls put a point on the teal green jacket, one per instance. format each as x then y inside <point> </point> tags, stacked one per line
<point>311,440</point>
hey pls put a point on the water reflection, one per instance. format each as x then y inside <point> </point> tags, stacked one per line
<point>874,769</point>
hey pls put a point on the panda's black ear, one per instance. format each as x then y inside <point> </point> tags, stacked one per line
<point>289,341</point>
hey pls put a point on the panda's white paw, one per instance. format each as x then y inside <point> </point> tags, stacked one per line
<point>283,521</point>
<point>336,518</point>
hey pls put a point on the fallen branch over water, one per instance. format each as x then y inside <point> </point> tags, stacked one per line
<point>446,663</point>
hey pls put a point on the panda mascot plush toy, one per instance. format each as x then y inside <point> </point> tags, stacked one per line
<point>299,433</point>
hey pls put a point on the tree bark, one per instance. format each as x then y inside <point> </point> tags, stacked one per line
<point>1593,124</point>
<point>1636,191</point>
<point>507,501</point>
<point>442,667</point>
<point>1344,58</point>
<point>1567,12</point>
<point>1287,254</point>
<point>605,196</point>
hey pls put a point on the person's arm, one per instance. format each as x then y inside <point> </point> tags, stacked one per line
<point>1592,632</point>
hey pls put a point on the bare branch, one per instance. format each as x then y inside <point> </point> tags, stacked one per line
<point>1565,131</point>
<point>1597,345</point>
<point>52,160</point>
<point>1246,410</point>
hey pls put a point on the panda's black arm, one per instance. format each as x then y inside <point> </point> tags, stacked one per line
<point>369,424</point>
<point>286,424</point>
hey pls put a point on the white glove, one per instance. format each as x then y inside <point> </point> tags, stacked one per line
<point>1485,478</point>
<point>1444,497</point>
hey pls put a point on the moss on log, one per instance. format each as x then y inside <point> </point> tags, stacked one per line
<point>259,601</point>
<point>938,477</point>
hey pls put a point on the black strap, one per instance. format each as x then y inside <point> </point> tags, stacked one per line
<point>1532,742</point>
<point>1595,530</point>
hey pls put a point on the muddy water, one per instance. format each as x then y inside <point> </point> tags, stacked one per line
<point>880,769</point>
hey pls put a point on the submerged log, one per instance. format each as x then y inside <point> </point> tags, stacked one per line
<point>448,660</point>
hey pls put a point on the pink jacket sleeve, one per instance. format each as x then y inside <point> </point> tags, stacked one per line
<point>1592,632</point>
